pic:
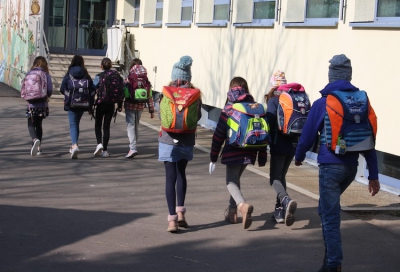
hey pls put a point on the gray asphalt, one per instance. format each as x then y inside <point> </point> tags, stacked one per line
<point>110,214</point>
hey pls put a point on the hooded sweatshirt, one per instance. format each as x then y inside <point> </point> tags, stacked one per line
<point>232,155</point>
<point>314,125</point>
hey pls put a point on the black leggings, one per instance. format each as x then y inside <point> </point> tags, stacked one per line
<point>106,112</point>
<point>35,127</point>
<point>175,176</point>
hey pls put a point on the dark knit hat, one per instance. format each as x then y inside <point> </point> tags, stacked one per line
<point>339,68</point>
<point>182,69</point>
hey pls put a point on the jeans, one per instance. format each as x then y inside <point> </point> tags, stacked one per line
<point>132,118</point>
<point>233,174</point>
<point>279,166</point>
<point>333,181</point>
<point>74,118</point>
<point>104,115</point>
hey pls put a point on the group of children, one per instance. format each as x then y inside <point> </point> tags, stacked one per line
<point>176,149</point>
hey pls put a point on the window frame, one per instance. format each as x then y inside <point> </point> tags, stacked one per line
<point>150,8</point>
<point>376,22</point>
<point>258,22</point>
<point>310,22</point>
<point>215,23</point>
<point>136,8</point>
<point>182,23</point>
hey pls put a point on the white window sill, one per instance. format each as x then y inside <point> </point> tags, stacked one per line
<point>376,24</point>
<point>182,24</point>
<point>152,25</point>
<point>329,22</point>
<point>213,24</point>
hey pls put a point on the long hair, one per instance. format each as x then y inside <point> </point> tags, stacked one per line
<point>134,62</point>
<point>106,63</point>
<point>40,62</point>
<point>270,94</point>
<point>77,60</point>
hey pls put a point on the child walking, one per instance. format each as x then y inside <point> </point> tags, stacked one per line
<point>38,109</point>
<point>235,159</point>
<point>104,113</point>
<point>282,149</point>
<point>176,150</point>
<point>133,111</point>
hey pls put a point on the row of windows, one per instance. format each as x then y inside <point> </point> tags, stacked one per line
<point>253,13</point>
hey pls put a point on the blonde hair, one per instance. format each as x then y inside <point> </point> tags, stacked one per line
<point>40,62</point>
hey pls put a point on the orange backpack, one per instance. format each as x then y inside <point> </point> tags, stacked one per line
<point>179,109</point>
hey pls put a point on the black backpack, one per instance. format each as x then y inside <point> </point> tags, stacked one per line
<point>111,87</point>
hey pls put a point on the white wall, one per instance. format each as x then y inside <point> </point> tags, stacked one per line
<point>220,53</point>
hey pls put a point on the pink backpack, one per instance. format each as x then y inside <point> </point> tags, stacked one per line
<point>34,85</point>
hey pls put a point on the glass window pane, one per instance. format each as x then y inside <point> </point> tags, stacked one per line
<point>186,14</point>
<point>264,10</point>
<point>389,8</point>
<point>159,14</point>
<point>323,8</point>
<point>137,3</point>
<point>221,12</point>
<point>137,14</point>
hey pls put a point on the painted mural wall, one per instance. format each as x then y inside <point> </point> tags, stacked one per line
<point>17,41</point>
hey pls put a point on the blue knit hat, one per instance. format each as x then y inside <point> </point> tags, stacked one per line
<point>339,68</point>
<point>181,70</point>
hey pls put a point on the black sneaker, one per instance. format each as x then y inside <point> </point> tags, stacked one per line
<point>289,208</point>
<point>279,215</point>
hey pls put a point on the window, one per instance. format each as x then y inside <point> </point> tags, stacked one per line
<point>152,13</point>
<point>376,13</point>
<point>312,13</point>
<point>137,12</point>
<point>213,12</point>
<point>180,13</point>
<point>254,13</point>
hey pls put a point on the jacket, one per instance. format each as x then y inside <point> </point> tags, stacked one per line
<point>314,125</point>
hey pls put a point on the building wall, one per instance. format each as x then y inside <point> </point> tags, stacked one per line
<point>220,53</point>
<point>17,40</point>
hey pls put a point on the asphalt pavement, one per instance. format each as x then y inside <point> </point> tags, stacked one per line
<point>110,214</point>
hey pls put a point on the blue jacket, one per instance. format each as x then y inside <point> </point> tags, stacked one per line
<point>314,124</point>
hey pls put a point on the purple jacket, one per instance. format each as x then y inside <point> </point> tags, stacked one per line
<point>314,124</point>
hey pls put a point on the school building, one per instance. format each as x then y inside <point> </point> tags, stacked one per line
<point>225,38</point>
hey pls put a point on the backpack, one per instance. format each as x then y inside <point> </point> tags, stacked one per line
<point>293,108</point>
<point>111,87</point>
<point>179,109</point>
<point>77,94</point>
<point>350,123</point>
<point>248,126</point>
<point>34,85</point>
<point>139,87</point>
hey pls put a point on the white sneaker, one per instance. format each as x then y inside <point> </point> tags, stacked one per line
<point>105,154</point>
<point>74,152</point>
<point>131,154</point>
<point>99,150</point>
<point>35,146</point>
<point>39,152</point>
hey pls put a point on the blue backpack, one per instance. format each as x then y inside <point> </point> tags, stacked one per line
<point>248,127</point>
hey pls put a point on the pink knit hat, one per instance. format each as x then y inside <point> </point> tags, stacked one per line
<point>277,79</point>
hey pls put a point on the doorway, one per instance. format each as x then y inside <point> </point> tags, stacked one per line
<point>78,26</point>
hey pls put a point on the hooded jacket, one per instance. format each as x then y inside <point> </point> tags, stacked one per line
<point>314,125</point>
<point>232,155</point>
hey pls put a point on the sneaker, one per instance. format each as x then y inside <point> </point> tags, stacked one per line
<point>279,214</point>
<point>74,152</point>
<point>289,208</point>
<point>99,150</point>
<point>131,154</point>
<point>39,152</point>
<point>231,215</point>
<point>105,154</point>
<point>35,146</point>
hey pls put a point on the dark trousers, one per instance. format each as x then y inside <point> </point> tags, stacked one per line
<point>104,114</point>
<point>35,127</point>
<point>176,184</point>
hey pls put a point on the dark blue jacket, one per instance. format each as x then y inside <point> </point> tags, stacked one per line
<point>314,124</point>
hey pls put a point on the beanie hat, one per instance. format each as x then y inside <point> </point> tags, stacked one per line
<point>277,79</point>
<point>339,68</point>
<point>181,70</point>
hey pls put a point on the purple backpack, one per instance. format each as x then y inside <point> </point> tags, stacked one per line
<point>34,85</point>
<point>111,88</point>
